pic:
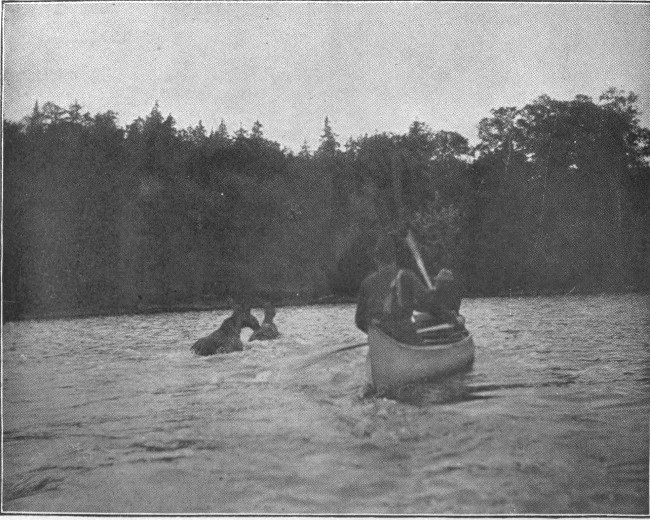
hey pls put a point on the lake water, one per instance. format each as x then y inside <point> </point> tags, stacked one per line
<point>115,415</point>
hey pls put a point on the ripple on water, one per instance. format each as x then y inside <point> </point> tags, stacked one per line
<point>551,418</point>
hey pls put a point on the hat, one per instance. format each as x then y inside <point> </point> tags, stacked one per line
<point>445,275</point>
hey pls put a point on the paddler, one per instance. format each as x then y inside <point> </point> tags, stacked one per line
<point>442,303</point>
<point>388,297</point>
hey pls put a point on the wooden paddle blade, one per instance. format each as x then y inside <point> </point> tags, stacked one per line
<point>410,240</point>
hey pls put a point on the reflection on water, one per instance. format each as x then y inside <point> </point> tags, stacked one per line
<point>452,389</point>
<point>459,387</point>
<point>115,414</point>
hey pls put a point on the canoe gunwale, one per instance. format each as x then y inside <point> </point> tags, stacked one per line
<point>393,364</point>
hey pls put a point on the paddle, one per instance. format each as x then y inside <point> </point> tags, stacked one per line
<point>321,356</point>
<point>410,240</point>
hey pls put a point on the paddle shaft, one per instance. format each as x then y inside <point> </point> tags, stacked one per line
<point>318,357</point>
<point>410,240</point>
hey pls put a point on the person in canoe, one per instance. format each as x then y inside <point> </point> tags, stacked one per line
<point>442,303</point>
<point>389,296</point>
<point>268,329</point>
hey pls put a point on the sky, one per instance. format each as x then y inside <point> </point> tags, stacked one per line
<point>368,66</point>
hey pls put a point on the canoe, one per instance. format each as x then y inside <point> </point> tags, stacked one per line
<point>393,364</point>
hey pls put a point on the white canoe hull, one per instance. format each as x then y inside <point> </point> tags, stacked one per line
<point>394,364</point>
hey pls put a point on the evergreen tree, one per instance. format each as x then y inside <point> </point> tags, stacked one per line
<point>256,131</point>
<point>35,122</point>
<point>241,134</point>
<point>222,131</point>
<point>305,152</point>
<point>329,146</point>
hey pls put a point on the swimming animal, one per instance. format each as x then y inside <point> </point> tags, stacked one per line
<point>248,320</point>
<point>267,330</point>
<point>226,338</point>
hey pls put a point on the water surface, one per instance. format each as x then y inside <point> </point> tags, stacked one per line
<point>114,414</point>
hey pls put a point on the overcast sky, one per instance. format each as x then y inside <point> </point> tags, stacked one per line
<point>368,66</point>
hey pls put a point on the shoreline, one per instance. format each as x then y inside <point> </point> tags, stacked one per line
<point>281,302</point>
<point>165,309</point>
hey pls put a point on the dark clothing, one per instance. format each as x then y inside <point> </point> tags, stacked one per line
<point>443,302</point>
<point>389,300</point>
<point>447,295</point>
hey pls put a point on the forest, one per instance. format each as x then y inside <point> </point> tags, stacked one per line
<point>104,219</point>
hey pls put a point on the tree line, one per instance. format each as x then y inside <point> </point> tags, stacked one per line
<point>100,218</point>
